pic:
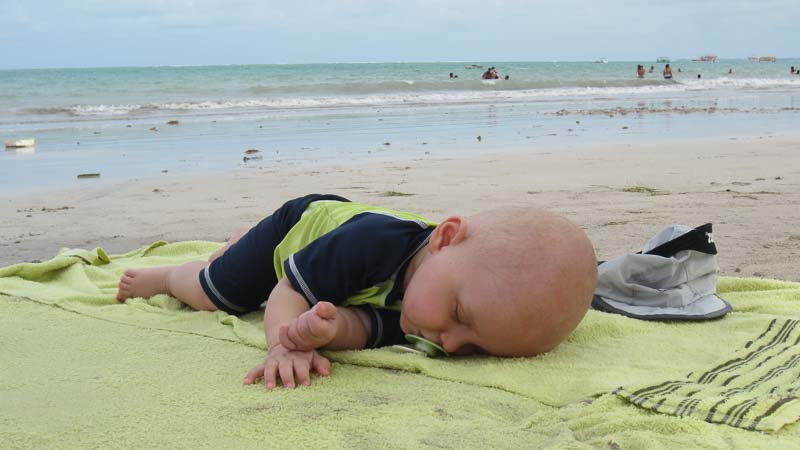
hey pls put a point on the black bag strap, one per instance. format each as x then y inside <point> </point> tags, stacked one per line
<point>699,239</point>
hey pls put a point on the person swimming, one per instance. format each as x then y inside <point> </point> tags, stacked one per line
<point>667,72</point>
<point>490,74</point>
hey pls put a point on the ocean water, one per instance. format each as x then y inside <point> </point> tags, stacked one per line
<point>113,121</point>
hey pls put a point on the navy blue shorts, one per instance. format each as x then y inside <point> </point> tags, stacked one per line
<point>242,278</point>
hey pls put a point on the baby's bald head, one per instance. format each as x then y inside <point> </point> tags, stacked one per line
<point>544,269</point>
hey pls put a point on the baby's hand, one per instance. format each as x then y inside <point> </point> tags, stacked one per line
<point>313,329</point>
<point>287,365</point>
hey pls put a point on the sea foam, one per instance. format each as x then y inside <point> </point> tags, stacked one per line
<point>297,100</point>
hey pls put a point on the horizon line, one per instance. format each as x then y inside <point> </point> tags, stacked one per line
<point>148,66</point>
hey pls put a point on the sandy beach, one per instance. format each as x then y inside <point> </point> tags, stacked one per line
<point>620,194</point>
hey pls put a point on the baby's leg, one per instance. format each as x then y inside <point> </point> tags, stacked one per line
<point>232,240</point>
<point>181,282</point>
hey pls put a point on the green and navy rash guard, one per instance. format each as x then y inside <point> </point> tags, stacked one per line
<point>353,254</point>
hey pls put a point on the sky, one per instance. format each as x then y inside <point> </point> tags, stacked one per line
<point>105,33</point>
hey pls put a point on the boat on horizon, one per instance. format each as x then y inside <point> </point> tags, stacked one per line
<point>662,59</point>
<point>20,143</point>
<point>601,61</point>
<point>762,58</point>
<point>707,58</point>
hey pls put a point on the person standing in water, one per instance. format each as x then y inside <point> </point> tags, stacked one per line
<point>667,72</point>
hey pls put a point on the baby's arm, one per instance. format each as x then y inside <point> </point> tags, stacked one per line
<point>326,326</point>
<point>284,306</point>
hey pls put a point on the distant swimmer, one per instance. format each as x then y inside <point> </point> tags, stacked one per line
<point>490,74</point>
<point>698,76</point>
<point>640,71</point>
<point>667,72</point>
<point>730,71</point>
<point>507,77</point>
<point>791,70</point>
<point>452,75</point>
<point>653,68</point>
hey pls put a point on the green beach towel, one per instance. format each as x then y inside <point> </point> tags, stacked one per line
<point>81,370</point>
<point>755,388</point>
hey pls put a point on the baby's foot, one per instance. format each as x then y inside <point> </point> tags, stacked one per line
<point>143,283</point>
<point>313,329</point>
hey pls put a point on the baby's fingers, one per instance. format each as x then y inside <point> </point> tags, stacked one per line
<point>302,370</point>
<point>321,365</point>
<point>287,373</point>
<point>255,374</point>
<point>320,328</point>
<point>325,310</point>
<point>286,341</point>
<point>313,330</point>
<point>301,334</point>
<point>270,374</point>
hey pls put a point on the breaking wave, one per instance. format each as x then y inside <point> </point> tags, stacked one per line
<point>414,93</point>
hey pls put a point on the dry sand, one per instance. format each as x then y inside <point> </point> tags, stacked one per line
<point>748,188</point>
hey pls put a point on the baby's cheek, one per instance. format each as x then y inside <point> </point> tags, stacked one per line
<point>403,324</point>
<point>407,323</point>
<point>413,313</point>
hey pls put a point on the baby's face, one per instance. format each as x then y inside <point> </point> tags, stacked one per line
<point>454,304</point>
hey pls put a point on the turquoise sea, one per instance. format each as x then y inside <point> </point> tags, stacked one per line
<point>113,121</point>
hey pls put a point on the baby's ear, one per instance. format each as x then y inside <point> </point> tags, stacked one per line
<point>450,231</point>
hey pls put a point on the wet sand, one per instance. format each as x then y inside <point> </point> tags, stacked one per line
<point>621,194</point>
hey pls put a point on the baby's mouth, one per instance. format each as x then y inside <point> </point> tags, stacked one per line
<point>409,328</point>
